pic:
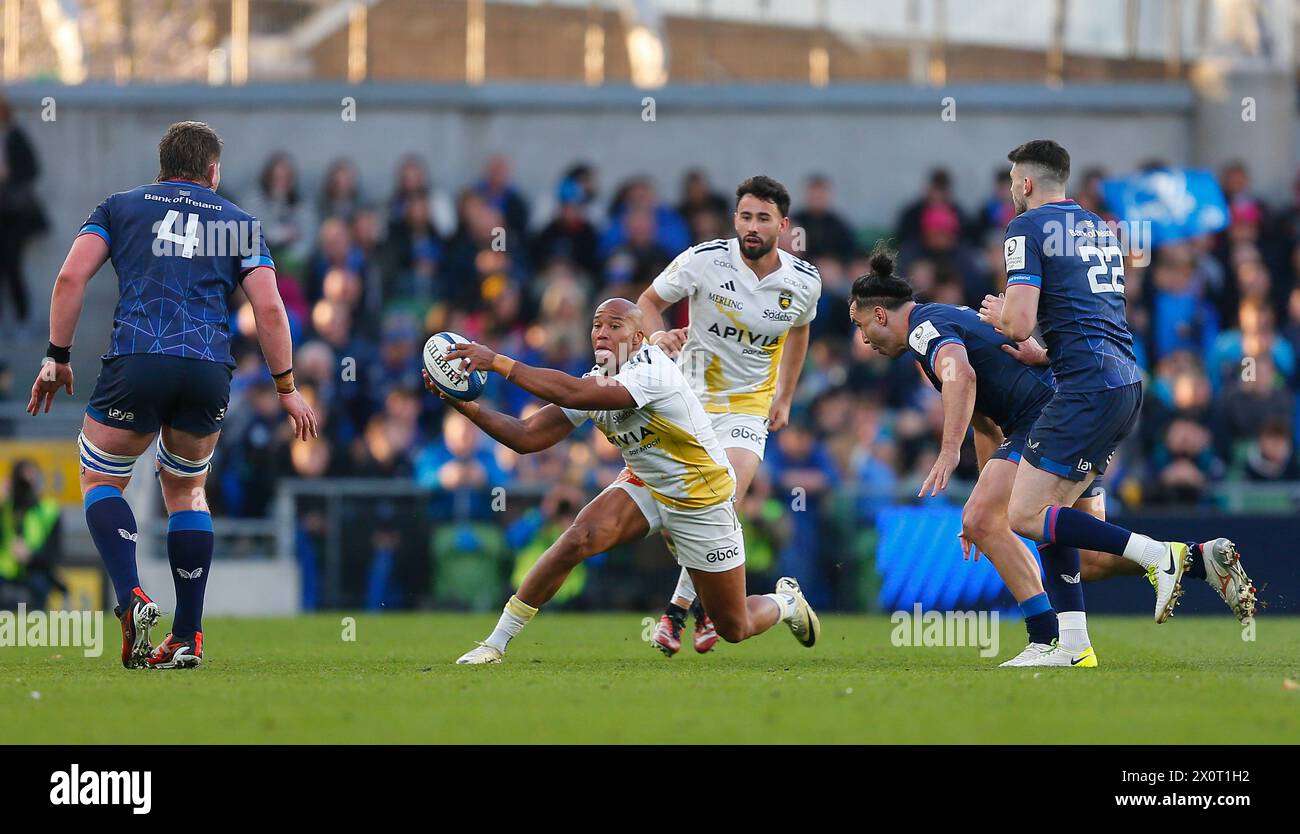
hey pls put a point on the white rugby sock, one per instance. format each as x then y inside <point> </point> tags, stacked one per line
<point>516,615</point>
<point>1144,550</point>
<point>1074,630</point>
<point>785,602</point>
<point>685,588</point>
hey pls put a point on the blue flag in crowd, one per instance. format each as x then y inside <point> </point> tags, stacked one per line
<point>1179,203</point>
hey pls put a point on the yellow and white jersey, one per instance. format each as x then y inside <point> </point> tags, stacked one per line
<point>667,440</point>
<point>738,322</point>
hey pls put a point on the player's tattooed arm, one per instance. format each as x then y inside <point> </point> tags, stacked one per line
<point>589,393</point>
<point>540,430</point>
<point>954,370</point>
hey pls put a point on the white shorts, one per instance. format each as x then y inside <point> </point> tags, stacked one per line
<point>740,431</point>
<point>710,539</point>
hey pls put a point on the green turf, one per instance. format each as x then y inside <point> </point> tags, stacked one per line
<point>591,678</point>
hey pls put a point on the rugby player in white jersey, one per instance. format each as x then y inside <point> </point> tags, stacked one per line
<point>681,481</point>
<point>750,304</point>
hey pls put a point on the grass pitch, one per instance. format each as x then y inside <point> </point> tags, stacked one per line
<point>590,679</point>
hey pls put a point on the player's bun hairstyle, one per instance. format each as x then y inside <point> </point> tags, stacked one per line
<point>881,287</point>
<point>767,189</point>
<point>186,151</point>
<point>1047,155</point>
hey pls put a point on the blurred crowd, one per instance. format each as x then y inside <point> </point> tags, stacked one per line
<point>366,277</point>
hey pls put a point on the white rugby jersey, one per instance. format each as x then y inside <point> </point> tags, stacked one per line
<point>667,440</point>
<point>738,322</point>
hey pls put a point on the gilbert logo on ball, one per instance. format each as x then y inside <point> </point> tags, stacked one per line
<point>449,374</point>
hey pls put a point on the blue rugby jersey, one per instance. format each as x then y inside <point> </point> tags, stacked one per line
<point>179,250</point>
<point>1006,390</point>
<point>1074,258</point>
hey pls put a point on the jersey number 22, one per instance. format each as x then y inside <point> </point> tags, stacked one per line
<point>1106,275</point>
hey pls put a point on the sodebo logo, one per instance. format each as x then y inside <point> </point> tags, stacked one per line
<point>108,787</point>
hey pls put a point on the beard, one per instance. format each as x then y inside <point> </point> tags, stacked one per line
<point>1020,204</point>
<point>754,251</point>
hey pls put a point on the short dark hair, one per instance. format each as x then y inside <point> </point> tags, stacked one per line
<point>881,287</point>
<point>767,189</point>
<point>186,151</point>
<point>1046,154</point>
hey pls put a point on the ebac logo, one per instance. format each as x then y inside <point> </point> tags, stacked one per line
<point>747,434</point>
<point>722,554</point>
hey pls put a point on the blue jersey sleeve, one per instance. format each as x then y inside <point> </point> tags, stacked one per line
<point>99,223</point>
<point>258,254</point>
<point>931,333</point>
<point>1023,252</point>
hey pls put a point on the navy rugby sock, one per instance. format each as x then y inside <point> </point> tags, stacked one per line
<point>1075,528</point>
<point>1062,576</point>
<point>112,528</point>
<point>1197,570</point>
<point>189,549</point>
<point>1040,619</point>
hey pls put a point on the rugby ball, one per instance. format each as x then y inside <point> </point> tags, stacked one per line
<point>448,374</point>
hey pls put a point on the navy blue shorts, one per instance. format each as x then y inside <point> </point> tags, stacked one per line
<point>1013,442</point>
<point>144,391</point>
<point>1013,446</point>
<point>1077,433</point>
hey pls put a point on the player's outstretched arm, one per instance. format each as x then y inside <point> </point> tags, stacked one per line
<point>952,366</point>
<point>787,376</point>
<point>589,393</point>
<point>540,430</point>
<point>87,255</point>
<point>277,348</point>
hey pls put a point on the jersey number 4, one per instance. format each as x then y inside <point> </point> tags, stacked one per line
<point>189,241</point>
<point>1108,273</point>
